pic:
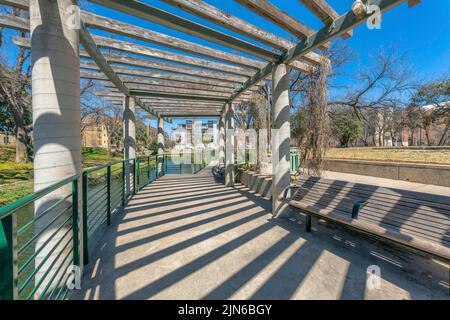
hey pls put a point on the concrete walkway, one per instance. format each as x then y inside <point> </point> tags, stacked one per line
<point>390,183</point>
<point>189,237</point>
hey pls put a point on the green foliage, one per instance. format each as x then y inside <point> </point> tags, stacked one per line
<point>346,126</point>
<point>436,93</point>
<point>12,192</point>
<point>154,147</point>
<point>90,151</point>
<point>298,127</point>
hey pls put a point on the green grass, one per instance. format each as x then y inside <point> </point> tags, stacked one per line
<point>409,155</point>
<point>16,180</point>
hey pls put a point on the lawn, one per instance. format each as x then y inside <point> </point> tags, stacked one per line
<point>407,154</point>
<point>16,180</point>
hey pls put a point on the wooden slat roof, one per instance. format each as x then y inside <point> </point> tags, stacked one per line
<point>183,77</point>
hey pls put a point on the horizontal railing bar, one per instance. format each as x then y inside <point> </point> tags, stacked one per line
<point>13,207</point>
<point>36,270</point>
<point>93,227</point>
<point>98,205</point>
<point>36,252</point>
<point>91,196</point>
<point>95,217</point>
<point>44,229</point>
<point>36,218</point>
<point>53,278</point>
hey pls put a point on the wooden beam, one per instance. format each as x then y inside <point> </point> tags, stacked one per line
<point>142,34</point>
<point>342,25</point>
<point>89,45</point>
<point>21,4</point>
<point>278,17</point>
<point>219,17</point>
<point>132,48</point>
<point>186,116</point>
<point>322,10</point>
<point>155,100</point>
<point>178,96</point>
<point>158,82</point>
<point>114,58</point>
<point>16,23</point>
<point>164,89</point>
<point>155,15</point>
<point>150,13</point>
<point>161,75</point>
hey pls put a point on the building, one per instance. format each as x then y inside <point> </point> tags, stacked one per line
<point>94,135</point>
<point>7,139</point>
<point>151,132</point>
<point>207,134</point>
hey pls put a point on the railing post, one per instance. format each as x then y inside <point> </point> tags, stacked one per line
<point>165,164</point>
<point>148,170</point>
<point>84,190</point>
<point>123,184</point>
<point>134,176</point>
<point>75,228</point>
<point>8,259</point>
<point>138,174</point>
<point>108,195</point>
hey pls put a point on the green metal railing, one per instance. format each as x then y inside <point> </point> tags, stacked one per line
<point>40,234</point>
<point>22,275</point>
<point>183,163</point>
<point>294,160</point>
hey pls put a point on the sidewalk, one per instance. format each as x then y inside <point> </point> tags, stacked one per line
<point>389,183</point>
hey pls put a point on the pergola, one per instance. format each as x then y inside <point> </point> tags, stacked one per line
<point>189,80</point>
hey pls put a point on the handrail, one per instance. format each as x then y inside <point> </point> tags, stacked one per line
<point>111,189</point>
<point>110,185</point>
<point>6,210</point>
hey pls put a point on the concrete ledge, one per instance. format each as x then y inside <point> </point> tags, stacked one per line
<point>257,183</point>
<point>422,173</point>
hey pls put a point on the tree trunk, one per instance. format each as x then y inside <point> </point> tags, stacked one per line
<point>444,134</point>
<point>21,144</point>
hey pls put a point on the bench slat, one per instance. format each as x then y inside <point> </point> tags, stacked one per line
<point>429,247</point>
<point>392,196</point>
<point>399,202</point>
<point>346,204</point>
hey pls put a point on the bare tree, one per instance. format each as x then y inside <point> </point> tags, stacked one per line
<point>380,91</point>
<point>15,88</point>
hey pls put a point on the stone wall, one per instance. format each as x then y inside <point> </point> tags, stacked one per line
<point>422,173</point>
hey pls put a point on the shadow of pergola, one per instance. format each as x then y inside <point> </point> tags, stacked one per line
<point>189,243</point>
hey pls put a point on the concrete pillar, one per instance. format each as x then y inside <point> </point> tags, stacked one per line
<point>222,140</point>
<point>229,150</point>
<point>129,140</point>
<point>56,118</point>
<point>280,138</point>
<point>161,145</point>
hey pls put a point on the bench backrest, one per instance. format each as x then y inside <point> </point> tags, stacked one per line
<point>426,216</point>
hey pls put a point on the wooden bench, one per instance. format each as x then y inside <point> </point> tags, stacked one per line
<point>418,221</point>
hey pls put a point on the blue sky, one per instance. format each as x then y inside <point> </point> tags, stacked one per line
<point>422,32</point>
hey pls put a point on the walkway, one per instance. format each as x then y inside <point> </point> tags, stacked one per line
<point>189,237</point>
<point>396,184</point>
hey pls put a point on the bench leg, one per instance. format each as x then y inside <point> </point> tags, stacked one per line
<point>308,223</point>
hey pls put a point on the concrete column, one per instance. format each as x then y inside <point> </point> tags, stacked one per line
<point>161,146</point>
<point>222,140</point>
<point>56,118</point>
<point>129,139</point>
<point>280,138</point>
<point>229,150</point>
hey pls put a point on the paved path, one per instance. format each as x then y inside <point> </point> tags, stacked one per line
<point>189,237</point>
<point>390,183</point>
